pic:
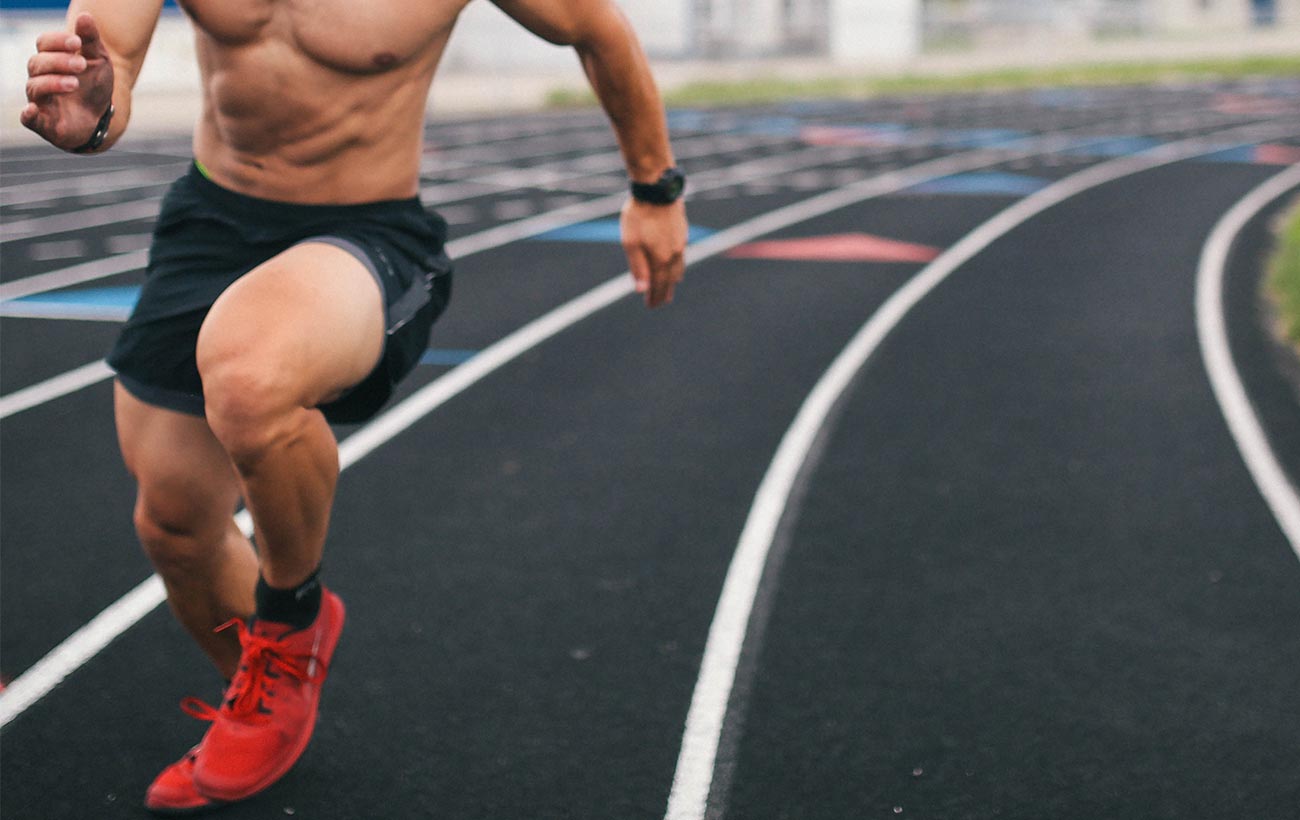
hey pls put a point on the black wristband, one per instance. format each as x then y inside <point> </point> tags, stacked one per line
<point>667,189</point>
<point>99,135</point>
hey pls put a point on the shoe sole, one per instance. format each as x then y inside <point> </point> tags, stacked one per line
<point>326,655</point>
<point>161,811</point>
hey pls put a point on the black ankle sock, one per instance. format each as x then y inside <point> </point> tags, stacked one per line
<point>296,607</point>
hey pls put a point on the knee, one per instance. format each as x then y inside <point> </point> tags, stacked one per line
<point>246,403</point>
<point>177,546</point>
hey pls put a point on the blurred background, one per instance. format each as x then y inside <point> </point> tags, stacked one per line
<point>493,65</point>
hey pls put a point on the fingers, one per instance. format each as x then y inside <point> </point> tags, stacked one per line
<point>92,45</point>
<point>55,62</point>
<point>654,239</point>
<point>53,72</point>
<point>67,52</point>
<point>52,62</point>
<point>29,116</point>
<point>58,41</point>
<point>41,88</point>
<point>655,275</point>
<point>665,273</point>
<point>639,266</point>
<point>69,83</point>
<point>53,69</point>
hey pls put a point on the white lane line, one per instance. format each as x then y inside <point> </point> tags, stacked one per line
<point>100,180</point>
<point>91,183</point>
<point>75,275</point>
<point>436,393</point>
<point>458,249</point>
<point>49,389</point>
<point>693,779</point>
<point>146,208</point>
<point>79,647</point>
<point>74,651</point>
<point>506,178</point>
<point>1212,332</point>
<point>64,313</point>
<point>69,655</point>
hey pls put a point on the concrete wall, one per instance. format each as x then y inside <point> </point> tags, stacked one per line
<point>1176,15</point>
<point>486,38</point>
<point>874,31</point>
<point>491,63</point>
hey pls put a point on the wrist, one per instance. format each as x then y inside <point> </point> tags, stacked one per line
<point>100,133</point>
<point>667,189</point>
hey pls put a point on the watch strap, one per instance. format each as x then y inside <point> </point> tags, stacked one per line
<point>667,189</point>
<point>100,133</point>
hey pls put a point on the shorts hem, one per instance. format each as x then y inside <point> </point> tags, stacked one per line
<point>175,400</point>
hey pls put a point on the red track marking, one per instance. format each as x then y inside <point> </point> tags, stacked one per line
<point>844,247</point>
<point>836,135</point>
<point>1277,154</point>
<point>1251,104</point>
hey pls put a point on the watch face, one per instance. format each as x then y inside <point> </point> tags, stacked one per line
<point>673,182</point>
<point>668,188</point>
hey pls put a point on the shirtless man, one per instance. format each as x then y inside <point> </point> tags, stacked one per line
<point>292,280</point>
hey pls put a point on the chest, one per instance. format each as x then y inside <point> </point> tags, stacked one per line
<point>364,37</point>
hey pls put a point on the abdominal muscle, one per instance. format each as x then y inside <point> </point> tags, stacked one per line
<point>308,113</point>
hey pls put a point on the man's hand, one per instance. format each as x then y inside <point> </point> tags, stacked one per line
<point>654,238</point>
<point>69,84</point>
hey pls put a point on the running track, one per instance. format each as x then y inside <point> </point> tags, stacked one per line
<point>936,514</point>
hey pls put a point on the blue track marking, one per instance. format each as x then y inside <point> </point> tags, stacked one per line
<point>688,120</point>
<point>836,133</point>
<point>1243,154</point>
<point>770,127</point>
<point>1118,146</point>
<point>1065,98</point>
<point>1266,154</point>
<point>116,304</point>
<point>606,230</point>
<point>448,357</point>
<point>108,304</point>
<point>980,137</point>
<point>982,183</point>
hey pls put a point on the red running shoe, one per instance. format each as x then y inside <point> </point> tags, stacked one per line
<point>269,713</point>
<point>173,792</point>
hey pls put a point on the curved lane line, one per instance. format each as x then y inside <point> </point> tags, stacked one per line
<point>87,641</point>
<point>1212,331</point>
<point>80,646</point>
<point>488,239</point>
<point>458,248</point>
<point>693,779</point>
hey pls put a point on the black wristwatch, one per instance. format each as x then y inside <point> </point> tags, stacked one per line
<point>668,189</point>
<point>100,134</point>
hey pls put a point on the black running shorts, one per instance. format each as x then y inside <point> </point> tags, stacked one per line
<point>208,236</point>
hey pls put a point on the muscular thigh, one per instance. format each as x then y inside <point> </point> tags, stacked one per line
<point>186,482</point>
<point>310,319</point>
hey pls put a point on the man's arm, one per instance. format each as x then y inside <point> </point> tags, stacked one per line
<point>78,72</point>
<point>654,236</point>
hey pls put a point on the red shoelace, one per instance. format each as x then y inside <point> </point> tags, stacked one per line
<point>262,664</point>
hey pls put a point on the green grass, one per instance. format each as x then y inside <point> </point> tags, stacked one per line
<point>1284,276</point>
<point>775,89</point>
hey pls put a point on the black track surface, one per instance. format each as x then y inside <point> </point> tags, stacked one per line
<point>1030,576</point>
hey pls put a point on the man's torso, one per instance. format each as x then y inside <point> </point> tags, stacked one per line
<point>317,100</point>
